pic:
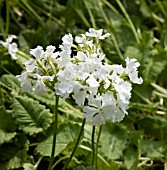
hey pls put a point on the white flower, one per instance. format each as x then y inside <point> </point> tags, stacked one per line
<point>122,87</point>
<point>83,41</point>
<point>26,83</point>
<point>30,65</point>
<point>96,33</point>
<point>50,49</point>
<point>68,40</point>
<point>102,108</point>
<point>131,70</point>
<point>12,47</point>
<point>79,98</point>
<point>40,87</point>
<point>116,69</point>
<point>81,56</point>
<point>92,81</point>
<point>37,52</point>
<point>64,58</point>
<point>64,89</point>
<point>122,102</point>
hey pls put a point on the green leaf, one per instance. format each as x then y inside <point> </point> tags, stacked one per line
<point>154,149</point>
<point>12,155</point>
<point>153,125</point>
<point>28,166</point>
<point>131,158</point>
<point>67,133</point>
<point>145,10</point>
<point>31,116</point>
<point>10,82</point>
<point>147,40</point>
<point>7,125</point>
<point>6,136</point>
<point>133,52</point>
<point>133,151</point>
<point>113,141</point>
<point>7,122</point>
<point>46,98</point>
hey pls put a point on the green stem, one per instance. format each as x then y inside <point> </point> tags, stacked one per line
<point>111,7</point>
<point>97,144</point>
<point>76,145</point>
<point>129,20</point>
<point>7,71</point>
<point>2,28</point>
<point>24,55</point>
<point>55,133</point>
<point>38,162</point>
<point>161,6</point>
<point>100,7</point>
<point>60,160</point>
<point>90,14</point>
<point>117,47</point>
<point>25,5</point>
<point>50,12</point>
<point>7,18</point>
<point>47,14</point>
<point>93,146</point>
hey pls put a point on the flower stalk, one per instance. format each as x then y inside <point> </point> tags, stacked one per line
<point>93,145</point>
<point>55,133</point>
<point>76,144</point>
<point>97,145</point>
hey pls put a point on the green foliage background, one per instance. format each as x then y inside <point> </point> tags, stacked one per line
<point>138,30</point>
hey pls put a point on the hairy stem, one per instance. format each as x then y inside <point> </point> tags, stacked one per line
<point>55,133</point>
<point>76,145</point>
<point>97,144</point>
<point>93,145</point>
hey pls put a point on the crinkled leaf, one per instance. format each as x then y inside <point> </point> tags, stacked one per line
<point>157,68</point>
<point>7,125</point>
<point>28,166</point>
<point>147,40</point>
<point>154,149</point>
<point>133,52</point>
<point>10,82</point>
<point>12,155</point>
<point>47,98</point>
<point>7,122</point>
<point>6,136</point>
<point>31,116</point>
<point>113,140</point>
<point>67,133</point>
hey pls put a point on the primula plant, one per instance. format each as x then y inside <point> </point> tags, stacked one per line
<point>77,72</point>
<point>77,97</point>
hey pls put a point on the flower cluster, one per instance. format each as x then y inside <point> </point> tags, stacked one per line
<point>11,46</point>
<point>78,71</point>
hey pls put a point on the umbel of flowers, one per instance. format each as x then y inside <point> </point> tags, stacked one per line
<point>78,71</point>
